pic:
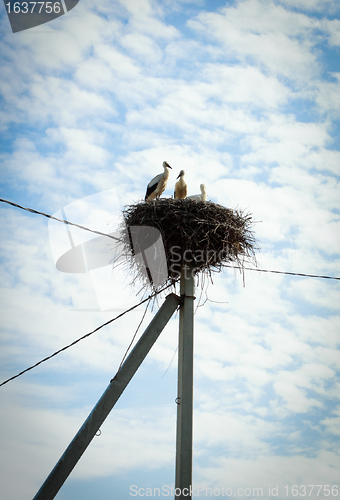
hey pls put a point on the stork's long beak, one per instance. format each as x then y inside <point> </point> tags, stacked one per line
<point>167,164</point>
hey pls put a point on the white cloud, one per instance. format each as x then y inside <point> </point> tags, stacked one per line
<point>268,471</point>
<point>101,71</point>
<point>100,105</point>
<point>332,424</point>
<point>39,436</point>
<point>328,96</point>
<point>144,18</point>
<point>242,435</point>
<point>83,147</point>
<point>290,386</point>
<point>308,4</point>
<point>142,46</point>
<point>333,28</point>
<point>271,35</point>
<point>230,84</point>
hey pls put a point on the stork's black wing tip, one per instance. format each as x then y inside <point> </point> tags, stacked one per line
<point>150,190</point>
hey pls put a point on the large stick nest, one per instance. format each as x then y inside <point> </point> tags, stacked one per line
<point>201,235</point>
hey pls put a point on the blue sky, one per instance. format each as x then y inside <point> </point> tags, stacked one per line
<point>245,95</point>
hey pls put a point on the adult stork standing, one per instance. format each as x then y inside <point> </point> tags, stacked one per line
<point>200,197</point>
<point>181,188</point>
<point>157,185</point>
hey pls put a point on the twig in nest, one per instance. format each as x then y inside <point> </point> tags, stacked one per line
<point>203,236</point>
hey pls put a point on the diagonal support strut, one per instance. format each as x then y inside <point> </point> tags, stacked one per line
<point>109,398</point>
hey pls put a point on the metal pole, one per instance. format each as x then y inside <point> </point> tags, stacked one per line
<point>105,404</point>
<point>185,388</point>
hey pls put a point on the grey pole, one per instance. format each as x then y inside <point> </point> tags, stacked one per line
<point>105,404</point>
<point>185,388</point>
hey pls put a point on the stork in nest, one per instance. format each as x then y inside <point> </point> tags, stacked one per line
<point>181,188</point>
<point>157,185</point>
<point>200,197</point>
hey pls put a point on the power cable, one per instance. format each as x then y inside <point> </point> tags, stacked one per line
<point>173,357</point>
<point>134,336</point>
<point>135,306</point>
<point>90,333</point>
<point>59,220</point>
<point>117,239</point>
<point>282,272</point>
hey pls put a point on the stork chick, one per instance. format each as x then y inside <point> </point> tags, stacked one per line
<point>200,197</point>
<point>181,188</point>
<point>157,185</point>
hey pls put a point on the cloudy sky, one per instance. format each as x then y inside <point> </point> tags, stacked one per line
<point>245,95</point>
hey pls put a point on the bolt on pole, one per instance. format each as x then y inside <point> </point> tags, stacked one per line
<point>185,387</point>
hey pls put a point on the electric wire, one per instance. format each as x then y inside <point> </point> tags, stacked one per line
<point>58,220</point>
<point>173,357</point>
<point>135,306</point>
<point>134,336</point>
<point>282,272</point>
<point>117,239</point>
<point>90,333</point>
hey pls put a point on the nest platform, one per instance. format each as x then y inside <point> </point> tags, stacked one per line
<point>203,236</point>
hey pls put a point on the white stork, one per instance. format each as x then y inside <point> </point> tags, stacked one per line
<point>157,185</point>
<point>200,197</point>
<point>181,188</point>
